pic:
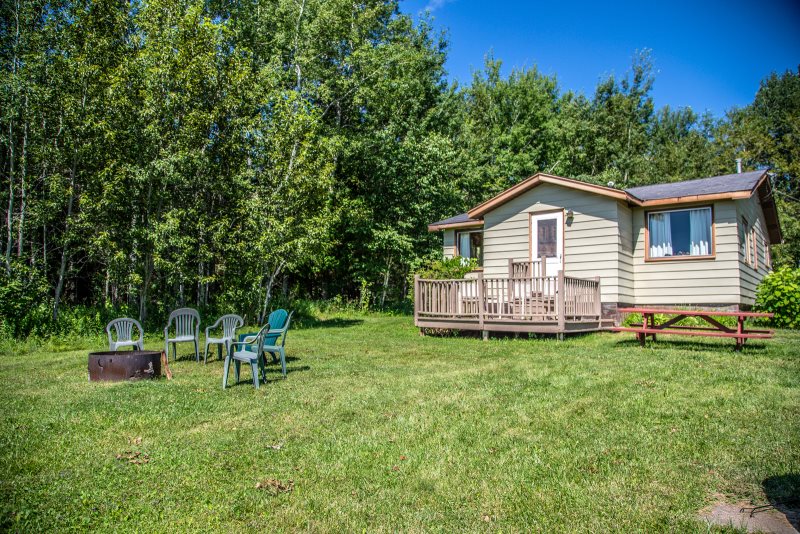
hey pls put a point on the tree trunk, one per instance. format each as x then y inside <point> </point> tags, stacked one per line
<point>10,213</point>
<point>268,293</point>
<point>386,281</point>
<point>65,245</point>
<point>297,70</point>
<point>23,172</point>
<point>148,275</point>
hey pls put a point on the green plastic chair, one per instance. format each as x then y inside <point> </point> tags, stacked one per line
<point>283,318</point>
<point>247,350</point>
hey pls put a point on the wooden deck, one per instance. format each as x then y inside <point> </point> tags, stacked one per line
<point>555,304</point>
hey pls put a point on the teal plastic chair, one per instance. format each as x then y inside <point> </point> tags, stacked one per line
<point>247,350</point>
<point>275,339</point>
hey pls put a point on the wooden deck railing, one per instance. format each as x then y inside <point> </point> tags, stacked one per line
<point>527,268</point>
<point>554,299</point>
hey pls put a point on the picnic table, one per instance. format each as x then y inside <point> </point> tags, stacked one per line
<point>649,326</point>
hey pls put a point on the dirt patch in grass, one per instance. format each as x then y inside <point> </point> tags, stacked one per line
<point>780,519</point>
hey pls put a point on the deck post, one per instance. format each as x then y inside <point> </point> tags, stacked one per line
<point>510,268</point>
<point>542,266</point>
<point>561,303</point>
<point>416,298</point>
<point>480,301</point>
<point>598,305</point>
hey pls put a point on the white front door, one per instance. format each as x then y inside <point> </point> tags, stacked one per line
<point>547,239</point>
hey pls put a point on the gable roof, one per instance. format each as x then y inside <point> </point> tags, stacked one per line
<point>745,182</point>
<point>461,220</point>
<point>726,187</point>
<point>539,178</point>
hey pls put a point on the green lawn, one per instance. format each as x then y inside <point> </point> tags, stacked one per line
<point>382,430</point>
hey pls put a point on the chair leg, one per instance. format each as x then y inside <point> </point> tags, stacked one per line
<point>254,369</point>
<point>197,351</point>
<point>175,352</point>
<point>283,362</point>
<point>237,365</point>
<point>227,366</point>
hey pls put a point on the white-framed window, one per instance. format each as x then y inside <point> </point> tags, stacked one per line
<point>750,243</point>
<point>680,234</point>
<point>470,245</point>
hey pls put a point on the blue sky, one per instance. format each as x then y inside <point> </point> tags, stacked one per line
<point>708,55</point>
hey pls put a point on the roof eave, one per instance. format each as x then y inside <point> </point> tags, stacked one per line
<point>454,226</point>
<point>529,183</point>
<point>690,199</point>
<point>770,209</point>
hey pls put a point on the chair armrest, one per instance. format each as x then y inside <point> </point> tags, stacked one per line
<point>249,340</point>
<point>276,331</point>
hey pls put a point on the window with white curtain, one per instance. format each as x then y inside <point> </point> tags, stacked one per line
<point>680,233</point>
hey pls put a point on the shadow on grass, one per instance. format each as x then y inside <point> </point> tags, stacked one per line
<point>273,375</point>
<point>335,322</point>
<point>667,342</point>
<point>783,493</point>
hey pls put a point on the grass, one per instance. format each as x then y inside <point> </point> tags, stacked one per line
<point>382,430</point>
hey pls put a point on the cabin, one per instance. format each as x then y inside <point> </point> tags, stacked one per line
<point>559,255</point>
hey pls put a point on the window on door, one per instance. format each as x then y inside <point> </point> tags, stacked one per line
<point>470,245</point>
<point>678,234</point>
<point>547,238</point>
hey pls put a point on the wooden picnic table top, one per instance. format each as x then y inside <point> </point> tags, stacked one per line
<point>695,313</point>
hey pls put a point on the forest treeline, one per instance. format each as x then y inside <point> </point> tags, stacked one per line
<point>216,154</point>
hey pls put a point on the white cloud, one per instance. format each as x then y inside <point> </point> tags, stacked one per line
<point>433,5</point>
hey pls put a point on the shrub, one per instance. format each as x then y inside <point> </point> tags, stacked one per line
<point>447,269</point>
<point>24,301</point>
<point>779,293</point>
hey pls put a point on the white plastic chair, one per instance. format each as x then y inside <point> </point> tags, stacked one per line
<point>229,323</point>
<point>187,328</point>
<point>123,327</point>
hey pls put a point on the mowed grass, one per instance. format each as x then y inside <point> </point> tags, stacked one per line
<point>382,430</point>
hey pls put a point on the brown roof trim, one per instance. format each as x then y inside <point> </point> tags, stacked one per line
<point>767,199</point>
<point>454,226</point>
<point>529,183</point>
<point>697,198</point>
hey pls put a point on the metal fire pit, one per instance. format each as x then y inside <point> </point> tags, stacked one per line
<point>124,365</point>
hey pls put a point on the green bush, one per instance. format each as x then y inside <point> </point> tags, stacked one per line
<point>447,269</point>
<point>24,300</point>
<point>779,293</point>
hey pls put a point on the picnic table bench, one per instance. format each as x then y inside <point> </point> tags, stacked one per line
<point>649,326</point>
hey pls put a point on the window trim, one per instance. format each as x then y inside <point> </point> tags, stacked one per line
<point>711,256</point>
<point>767,256</point>
<point>745,241</point>
<point>458,245</point>
<point>750,234</point>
